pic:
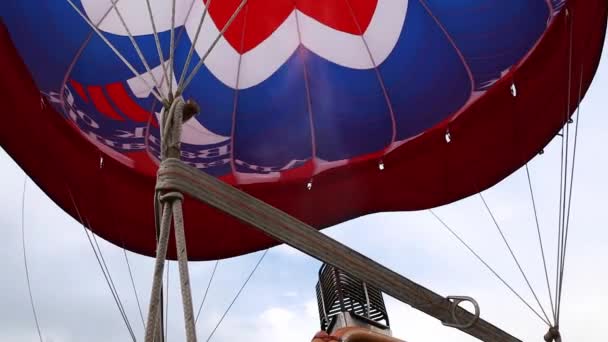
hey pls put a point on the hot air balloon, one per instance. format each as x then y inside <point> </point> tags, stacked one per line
<point>309,113</point>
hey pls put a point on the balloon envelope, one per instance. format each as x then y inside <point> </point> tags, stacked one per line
<point>328,110</point>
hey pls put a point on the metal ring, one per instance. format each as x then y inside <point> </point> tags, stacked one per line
<point>454,303</point>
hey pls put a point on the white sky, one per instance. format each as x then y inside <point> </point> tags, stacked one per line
<point>74,303</point>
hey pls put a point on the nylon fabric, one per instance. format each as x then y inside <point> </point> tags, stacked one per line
<point>490,141</point>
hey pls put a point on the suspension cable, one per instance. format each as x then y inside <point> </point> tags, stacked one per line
<point>206,290</point>
<point>141,315</point>
<point>181,87</point>
<point>106,276</point>
<point>540,242</point>
<point>521,270</point>
<point>502,280</point>
<point>159,48</point>
<point>107,270</point>
<point>140,54</point>
<point>27,271</point>
<point>567,220</point>
<point>237,295</point>
<point>564,171</point>
<point>172,49</point>
<point>564,205</point>
<point>113,286</point>
<point>109,283</point>
<point>194,41</point>
<point>116,52</point>
<point>559,223</point>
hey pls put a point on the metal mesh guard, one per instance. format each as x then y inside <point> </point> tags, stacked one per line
<point>339,292</point>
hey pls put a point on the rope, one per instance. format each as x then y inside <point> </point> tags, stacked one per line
<point>165,317</point>
<point>171,126</point>
<point>158,331</point>
<point>194,41</point>
<point>540,242</point>
<point>134,43</point>
<point>446,226</point>
<point>181,87</point>
<point>564,180</point>
<point>161,255</point>
<point>206,291</point>
<point>172,50</point>
<point>237,295</point>
<point>103,271</point>
<point>182,256</point>
<point>553,335</point>
<point>564,172</point>
<point>546,320</point>
<point>567,221</point>
<point>141,315</point>
<point>115,50</point>
<point>171,204</point>
<point>27,272</point>
<point>113,286</point>
<point>107,277</point>
<point>105,15</point>
<point>159,48</point>
<point>559,227</point>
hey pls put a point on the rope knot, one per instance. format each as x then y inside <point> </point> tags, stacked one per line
<point>171,196</point>
<point>553,335</point>
<point>172,120</point>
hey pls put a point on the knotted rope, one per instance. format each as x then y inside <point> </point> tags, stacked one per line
<point>553,335</point>
<point>170,204</point>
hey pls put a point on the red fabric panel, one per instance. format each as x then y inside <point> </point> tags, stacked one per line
<point>101,103</point>
<point>125,104</point>
<point>490,139</point>
<point>80,91</point>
